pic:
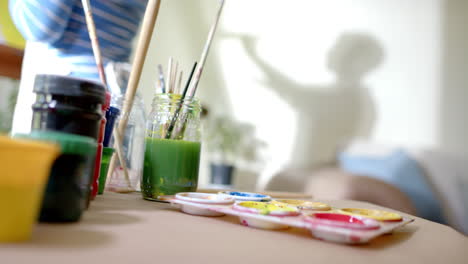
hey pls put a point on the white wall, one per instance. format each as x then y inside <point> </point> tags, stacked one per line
<point>453,128</point>
<point>270,66</point>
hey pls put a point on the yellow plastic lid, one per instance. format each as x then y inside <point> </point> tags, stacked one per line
<point>25,162</point>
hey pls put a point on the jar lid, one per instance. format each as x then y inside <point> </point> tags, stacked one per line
<point>69,143</point>
<point>70,86</point>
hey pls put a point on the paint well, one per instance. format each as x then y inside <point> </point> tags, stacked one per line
<point>342,221</point>
<point>303,205</point>
<point>265,208</point>
<point>379,215</point>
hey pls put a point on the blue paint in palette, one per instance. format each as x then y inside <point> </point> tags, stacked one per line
<point>245,194</point>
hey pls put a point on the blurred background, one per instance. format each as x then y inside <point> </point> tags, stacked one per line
<point>305,80</point>
<point>299,81</point>
<point>313,75</point>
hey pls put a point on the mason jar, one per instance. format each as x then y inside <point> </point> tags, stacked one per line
<point>133,146</point>
<point>173,144</point>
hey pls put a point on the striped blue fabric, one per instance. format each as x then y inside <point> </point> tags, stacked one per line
<point>62,25</point>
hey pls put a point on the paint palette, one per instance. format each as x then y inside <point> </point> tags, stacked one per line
<point>331,225</point>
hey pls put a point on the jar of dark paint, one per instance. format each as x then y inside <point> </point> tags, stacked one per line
<point>68,186</point>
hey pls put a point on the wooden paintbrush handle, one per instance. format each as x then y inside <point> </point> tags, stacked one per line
<point>149,20</point>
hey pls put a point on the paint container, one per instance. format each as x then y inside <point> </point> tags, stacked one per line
<point>202,198</point>
<point>70,105</point>
<point>246,196</point>
<point>303,205</point>
<point>25,168</point>
<point>326,226</point>
<point>342,221</point>
<point>173,146</point>
<point>106,157</point>
<point>263,208</point>
<point>68,186</point>
<point>378,215</point>
<point>100,146</point>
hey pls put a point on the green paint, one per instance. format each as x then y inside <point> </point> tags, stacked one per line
<point>171,166</point>
<point>106,156</point>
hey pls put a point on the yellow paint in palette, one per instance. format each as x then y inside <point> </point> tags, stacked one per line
<point>303,205</point>
<point>379,215</point>
<point>266,208</point>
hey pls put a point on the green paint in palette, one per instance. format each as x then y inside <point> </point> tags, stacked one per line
<point>171,166</point>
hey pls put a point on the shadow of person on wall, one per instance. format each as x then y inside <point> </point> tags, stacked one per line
<point>328,115</point>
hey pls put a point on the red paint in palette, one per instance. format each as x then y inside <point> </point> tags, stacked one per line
<point>342,221</point>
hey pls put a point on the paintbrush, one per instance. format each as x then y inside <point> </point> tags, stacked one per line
<point>174,77</point>
<point>94,40</point>
<point>193,85</point>
<point>169,76</point>
<point>168,134</point>
<point>100,66</point>
<point>206,49</point>
<point>179,83</point>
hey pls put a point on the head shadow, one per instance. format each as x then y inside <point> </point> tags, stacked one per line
<point>354,55</point>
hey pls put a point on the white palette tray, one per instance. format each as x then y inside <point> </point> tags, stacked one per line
<point>333,231</point>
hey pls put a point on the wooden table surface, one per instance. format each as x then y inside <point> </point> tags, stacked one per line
<point>124,228</point>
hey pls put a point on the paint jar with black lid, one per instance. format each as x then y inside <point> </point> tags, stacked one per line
<point>68,104</point>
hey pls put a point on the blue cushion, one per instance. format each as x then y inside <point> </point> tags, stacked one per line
<point>400,170</point>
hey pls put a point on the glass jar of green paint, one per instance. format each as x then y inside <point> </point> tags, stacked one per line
<point>172,154</point>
